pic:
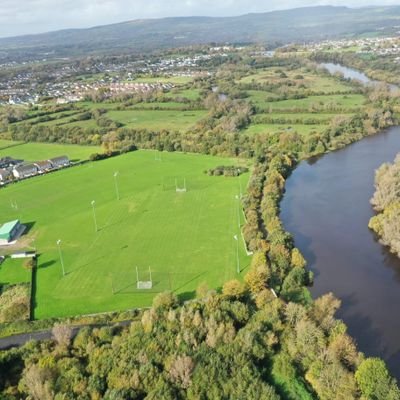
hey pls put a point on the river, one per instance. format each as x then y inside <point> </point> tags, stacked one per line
<point>326,208</point>
<point>350,73</point>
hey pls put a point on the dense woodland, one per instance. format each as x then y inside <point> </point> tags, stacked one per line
<point>386,202</point>
<point>240,344</point>
<point>264,338</point>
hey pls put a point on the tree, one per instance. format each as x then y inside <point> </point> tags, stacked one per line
<point>234,289</point>
<point>62,334</point>
<point>324,309</point>
<point>165,300</point>
<point>37,383</point>
<point>181,371</point>
<point>256,279</point>
<point>375,382</point>
<point>264,297</point>
<point>259,259</point>
<point>297,259</point>
<point>202,290</point>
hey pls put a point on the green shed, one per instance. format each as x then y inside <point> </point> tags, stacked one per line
<point>8,230</point>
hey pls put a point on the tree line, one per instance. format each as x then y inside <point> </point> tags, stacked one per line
<point>241,343</point>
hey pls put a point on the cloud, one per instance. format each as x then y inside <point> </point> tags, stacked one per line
<point>32,16</point>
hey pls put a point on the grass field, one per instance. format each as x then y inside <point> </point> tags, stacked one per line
<point>143,119</point>
<point>302,77</point>
<point>186,238</point>
<point>301,129</point>
<point>191,94</point>
<point>349,101</point>
<point>169,104</point>
<point>157,119</point>
<point>43,151</point>
<point>13,272</point>
<point>321,106</point>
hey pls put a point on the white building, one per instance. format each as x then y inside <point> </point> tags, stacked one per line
<point>58,162</point>
<point>43,166</point>
<point>5,175</point>
<point>24,171</point>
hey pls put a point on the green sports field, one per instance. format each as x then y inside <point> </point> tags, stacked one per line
<point>186,238</point>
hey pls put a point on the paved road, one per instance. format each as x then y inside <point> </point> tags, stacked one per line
<point>21,339</point>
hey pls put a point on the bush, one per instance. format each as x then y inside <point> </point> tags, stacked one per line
<point>165,300</point>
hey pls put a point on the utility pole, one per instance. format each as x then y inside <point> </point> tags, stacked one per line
<point>61,256</point>
<point>94,215</point>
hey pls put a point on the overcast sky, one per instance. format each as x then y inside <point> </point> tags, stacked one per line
<point>19,17</point>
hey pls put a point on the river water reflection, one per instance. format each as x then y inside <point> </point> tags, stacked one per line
<point>326,208</point>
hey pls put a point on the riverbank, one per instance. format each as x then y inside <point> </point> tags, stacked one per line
<point>386,202</point>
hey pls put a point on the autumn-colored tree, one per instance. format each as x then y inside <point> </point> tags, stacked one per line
<point>62,334</point>
<point>257,278</point>
<point>297,259</point>
<point>165,300</point>
<point>234,289</point>
<point>181,370</point>
<point>37,383</point>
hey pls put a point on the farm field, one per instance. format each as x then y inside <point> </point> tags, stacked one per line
<point>301,129</point>
<point>191,94</point>
<point>140,118</point>
<point>324,98</point>
<point>157,119</point>
<point>43,151</point>
<point>186,238</point>
<point>303,77</point>
<point>169,104</point>
<point>350,102</point>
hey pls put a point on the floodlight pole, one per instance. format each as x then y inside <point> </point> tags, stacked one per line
<point>116,184</point>
<point>238,212</point>
<point>61,256</point>
<point>137,274</point>
<point>237,254</point>
<point>240,183</point>
<point>94,215</point>
<point>150,274</point>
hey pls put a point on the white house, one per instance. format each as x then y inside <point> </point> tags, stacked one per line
<point>24,171</point>
<point>5,175</point>
<point>43,166</point>
<point>58,162</point>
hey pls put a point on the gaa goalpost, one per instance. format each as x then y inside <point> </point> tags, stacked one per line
<point>142,284</point>
<point>180,189</point>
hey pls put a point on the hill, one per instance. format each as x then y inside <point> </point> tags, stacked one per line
<point>278,27</point>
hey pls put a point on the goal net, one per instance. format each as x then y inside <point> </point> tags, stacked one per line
<point>144,285</point>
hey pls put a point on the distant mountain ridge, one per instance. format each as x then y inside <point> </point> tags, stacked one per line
<point>301,24</point>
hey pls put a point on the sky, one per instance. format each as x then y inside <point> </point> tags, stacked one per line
<point>18,17</point>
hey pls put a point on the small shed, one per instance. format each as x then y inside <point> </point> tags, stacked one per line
<point>9,230</point>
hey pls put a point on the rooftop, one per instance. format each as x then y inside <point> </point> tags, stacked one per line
<point>8,226</point>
